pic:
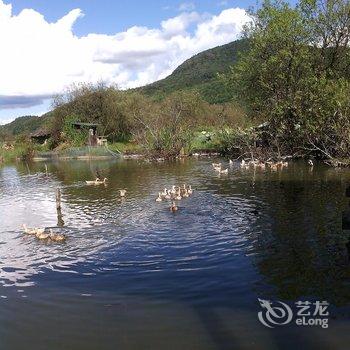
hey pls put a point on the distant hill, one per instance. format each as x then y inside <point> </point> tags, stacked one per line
<point>197,73</point>
<point>23,125</point>
<point>200,73</point>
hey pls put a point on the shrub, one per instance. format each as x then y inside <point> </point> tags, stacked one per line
<point>75,137</point>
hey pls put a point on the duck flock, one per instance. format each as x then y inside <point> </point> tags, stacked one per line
<point>176,193</point>
<point>42,234</point>
<point>255,164</point>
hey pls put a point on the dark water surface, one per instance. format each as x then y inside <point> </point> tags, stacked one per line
<point>133,275</point>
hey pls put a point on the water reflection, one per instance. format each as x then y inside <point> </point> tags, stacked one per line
<point>239,237</point>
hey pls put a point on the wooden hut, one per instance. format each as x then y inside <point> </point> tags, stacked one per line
<point>91,129</point>
<point>40,136</point>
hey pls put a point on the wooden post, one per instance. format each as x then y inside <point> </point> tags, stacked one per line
<point>58,199</point>
<point>28,168</point>
<point>60,221</point>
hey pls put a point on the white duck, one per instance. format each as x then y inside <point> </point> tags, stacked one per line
<point>225,171</point>
<point>190,190</point>
<point>99,182</point>
<point>42,235</point>
<point>32,231</point>
<point>178,195</point>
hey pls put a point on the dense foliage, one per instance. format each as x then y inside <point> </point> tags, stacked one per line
<point>162,128</point>
<point>296,75</point>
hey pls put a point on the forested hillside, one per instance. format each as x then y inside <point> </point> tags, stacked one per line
<point>200,72</point>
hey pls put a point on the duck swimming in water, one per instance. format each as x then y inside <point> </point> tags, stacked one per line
<point>32,231</point>
<point>185,194</point>
<point>165,192</point>
<point>92,182</point>
<point>182,189</point>
<point>273,167</point>
<point>159,198</point>
<point>225,171</point>
<point>178,195</point>
<point>173,189</point>
<point>173,207</point>
<point>57,237</point>
<point>42,235</point>
<point>97,181</point>
<point>190,190</point>
<point>29,231</point>
<point>122,193</point>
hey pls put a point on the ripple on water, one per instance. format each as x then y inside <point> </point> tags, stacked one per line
<point>226,226</point>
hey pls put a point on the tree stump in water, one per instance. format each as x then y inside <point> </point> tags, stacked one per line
<point>60,221</point>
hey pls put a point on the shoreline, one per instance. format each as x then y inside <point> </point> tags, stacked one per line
<point>126,156</point>
<point>137,155</point>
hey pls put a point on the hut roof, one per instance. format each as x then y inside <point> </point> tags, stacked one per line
<point>85,124</point>
<point>40,133</point>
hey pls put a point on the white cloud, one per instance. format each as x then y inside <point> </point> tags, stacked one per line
<point>39,58</point>
<point>187,6</point>
<point>5,121</point>
<point>223,3</point>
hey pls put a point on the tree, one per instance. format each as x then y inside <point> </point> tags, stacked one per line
<point>296,72</point>
<point>95,103</point>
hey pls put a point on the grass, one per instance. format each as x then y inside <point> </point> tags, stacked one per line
<point>83,151</point>
<point>10,155</point>
<point>19,151</point>
<point>125,147</point>
<point>204,141</point>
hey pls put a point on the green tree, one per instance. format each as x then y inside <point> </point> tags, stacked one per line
<point>296,73</point>
<point>95,103</point>
<point>75,137</point>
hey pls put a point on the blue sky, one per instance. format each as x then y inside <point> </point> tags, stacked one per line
<point>111,16</point>
<point>48,45</point>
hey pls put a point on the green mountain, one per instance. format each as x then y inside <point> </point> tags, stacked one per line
<point>23,125</point>
<point>200,72</point>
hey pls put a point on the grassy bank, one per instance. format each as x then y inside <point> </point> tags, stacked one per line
<point>11,154</point>
<point>20,151</point>
<point>201,141</point>
<point>126,147</point>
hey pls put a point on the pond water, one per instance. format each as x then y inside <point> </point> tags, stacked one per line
<point>133,275</point>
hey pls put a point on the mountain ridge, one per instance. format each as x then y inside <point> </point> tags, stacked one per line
<point>200,72</point>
